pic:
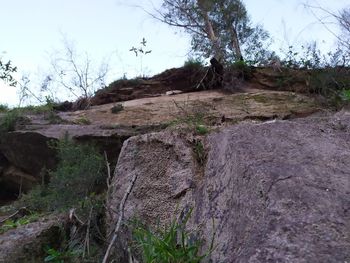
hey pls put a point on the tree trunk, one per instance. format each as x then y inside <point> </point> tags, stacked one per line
<point>235,44</point>
<point>218,54</point>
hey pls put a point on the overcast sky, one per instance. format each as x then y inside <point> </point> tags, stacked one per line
<point>32,29</point>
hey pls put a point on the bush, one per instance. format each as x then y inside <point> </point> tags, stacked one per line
<point>10,120</point>
<point>117,108</point>
<point>4,108</point>
<point>242,68</point>
<point>193,64</point>
<point>331,83</point>
<point>79,171</point>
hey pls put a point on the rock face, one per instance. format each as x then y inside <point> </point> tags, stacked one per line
<point>277,191</point>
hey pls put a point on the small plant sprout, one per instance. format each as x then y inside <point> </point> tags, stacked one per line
<point>140,52</point>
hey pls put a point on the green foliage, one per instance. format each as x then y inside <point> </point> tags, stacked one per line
<point>56,256</point>
<point>193,117</point>
<point>199,152</point>
<point>229,19</point>
<point>117,108</point>
<point>80,169</point>
<point>140,52</point>
<point>345,94</point>
<point>123,82</point>
<point>310,57</point>
<point>6,71</point>
<point>242,68</point>
<point>4,108</point>
<point>201,129</point>
<point>173,244</point>
<point>193,63</point>
<point>18,114</point>
<point>82,121</point>
<point>11,223</point>
<point>332,83</point>
<point>9,121</point>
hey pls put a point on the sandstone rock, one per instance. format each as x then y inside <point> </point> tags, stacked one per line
<point>28,150</point>
<point>27,243</point>
<point>15,180</point>
<point>277,191</point>
<point>163,164</point>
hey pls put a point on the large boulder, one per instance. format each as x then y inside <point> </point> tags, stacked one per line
<point>27,243</point>
<point>28,150</point>
<point>277,191</point>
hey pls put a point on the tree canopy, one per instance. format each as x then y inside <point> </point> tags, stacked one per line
<point>219,28</point>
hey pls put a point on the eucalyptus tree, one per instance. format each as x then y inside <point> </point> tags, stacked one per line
<point>219,28</point>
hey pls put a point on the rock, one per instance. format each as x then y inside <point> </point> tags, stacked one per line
<point>163,164</point>
<point>29,151</point>
<point>277,191</point>
<point>4,163</point>
<point>14,180</point>
<point>27,243</point>
<point>173,92</point>
<point>184,79</point>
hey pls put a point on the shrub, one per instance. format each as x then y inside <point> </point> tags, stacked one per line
<point>4,108</point>
<point>346,95</point>
<point>117,108</point>
<point>10,120</point>
<point>193,63</point>
<point>80,169</point>
<point>242,68</point>
<point>82,121</point>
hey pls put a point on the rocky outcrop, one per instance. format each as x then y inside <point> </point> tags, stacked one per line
<point>185,79</point>
<point>14,180</point>
<point>277,191</point>
<point>27,243</point>
<point>28,150</point>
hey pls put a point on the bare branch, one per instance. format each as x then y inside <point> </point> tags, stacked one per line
<point>120,219</point>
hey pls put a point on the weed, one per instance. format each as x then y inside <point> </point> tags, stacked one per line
<point>82,121</point>
<point>10,120</point>
<point>117,108</point>
<point>199,152</point>
<point>56,256</point>
<point>201,129</point>
<point>173,244</point>
<point>194,117</point>
<point>345,94</point>
<point>14,223</point>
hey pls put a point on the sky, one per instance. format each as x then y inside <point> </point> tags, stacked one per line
<point>32,31</point>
